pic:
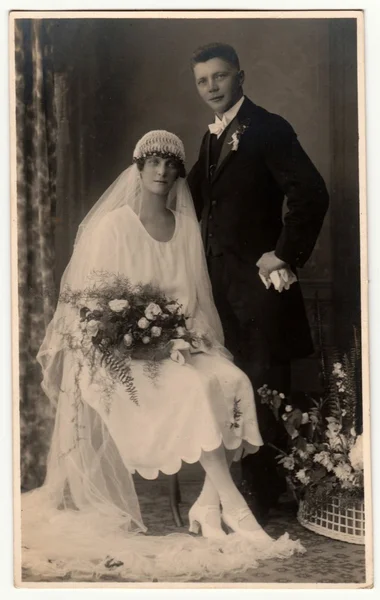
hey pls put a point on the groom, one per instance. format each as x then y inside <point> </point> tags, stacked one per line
<point>249,161</point>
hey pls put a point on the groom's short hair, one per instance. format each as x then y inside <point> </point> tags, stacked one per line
<point>215,50</point>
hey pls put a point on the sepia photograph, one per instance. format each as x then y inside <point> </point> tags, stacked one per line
<point>189,291</point>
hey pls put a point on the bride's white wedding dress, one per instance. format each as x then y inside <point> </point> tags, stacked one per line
<point>87,510</point>
<point>188,408</point>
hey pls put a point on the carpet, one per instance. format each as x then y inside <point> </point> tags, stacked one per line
<point>325,562</point>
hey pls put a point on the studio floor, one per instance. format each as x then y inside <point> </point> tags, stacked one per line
<point>326,561</point>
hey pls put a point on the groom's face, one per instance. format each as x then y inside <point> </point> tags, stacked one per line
<point>219,84</point>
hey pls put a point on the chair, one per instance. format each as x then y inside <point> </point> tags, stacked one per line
<point>175,499</point>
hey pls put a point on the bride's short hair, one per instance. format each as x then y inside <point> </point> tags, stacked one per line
<point>140,162</point>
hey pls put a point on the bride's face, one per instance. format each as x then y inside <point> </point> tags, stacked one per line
<point>159,174</point>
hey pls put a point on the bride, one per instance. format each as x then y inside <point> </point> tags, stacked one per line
<point>144,228</point>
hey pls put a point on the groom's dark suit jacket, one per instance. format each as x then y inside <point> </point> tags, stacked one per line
<point>240,204</point>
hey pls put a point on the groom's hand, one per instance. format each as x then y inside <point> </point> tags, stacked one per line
<point>269,262</point>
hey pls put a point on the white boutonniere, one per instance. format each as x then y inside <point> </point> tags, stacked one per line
<point>235,138</point>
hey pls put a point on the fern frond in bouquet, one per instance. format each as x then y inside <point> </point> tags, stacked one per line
<point>119,323</point>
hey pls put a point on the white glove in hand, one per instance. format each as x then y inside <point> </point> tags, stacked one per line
<point>281,279</point>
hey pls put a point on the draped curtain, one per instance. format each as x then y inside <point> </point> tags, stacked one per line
<point>57,108</point>
<point>36,207</point>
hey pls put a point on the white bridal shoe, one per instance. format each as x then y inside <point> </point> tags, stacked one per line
<point>234,520</point>
<point>198,517</point>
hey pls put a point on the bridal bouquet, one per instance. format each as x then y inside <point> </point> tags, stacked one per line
<point>324,455</point>
<point>119,322</point>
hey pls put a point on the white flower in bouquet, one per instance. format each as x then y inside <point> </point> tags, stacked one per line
<point>172,307</point>
<point>92,327</point>
<point>156,331</point>
<point>128,339</point>
<point>303,478</point>
<point>152,311</point>
<point>324,459</point>
<point>305,418</point>
<point>288,463</point>
<point>118,305</point>
<point>145,339</point>
<point>343,471</point>
<point>143,323</point>
<point>91,305</point>
<point>180,331</point>
<point>310,448</point>
<point>356,454</point>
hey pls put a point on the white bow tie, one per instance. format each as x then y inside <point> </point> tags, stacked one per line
<point>218,127</point>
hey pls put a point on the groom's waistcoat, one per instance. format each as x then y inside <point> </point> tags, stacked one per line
<point>209,234</point>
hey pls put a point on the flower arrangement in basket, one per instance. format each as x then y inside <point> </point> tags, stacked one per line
<point>117,322</point>
<point>323,458</point>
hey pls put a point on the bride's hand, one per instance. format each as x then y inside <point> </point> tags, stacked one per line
<point>180,351</point>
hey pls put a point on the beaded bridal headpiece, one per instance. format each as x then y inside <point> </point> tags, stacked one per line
<point>126,190</point>
<point>160,143</point>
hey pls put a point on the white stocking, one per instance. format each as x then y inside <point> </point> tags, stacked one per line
<point>209,495</point>
<point>218,472</point>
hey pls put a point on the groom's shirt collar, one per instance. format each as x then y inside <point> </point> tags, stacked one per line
<point>229,115</point>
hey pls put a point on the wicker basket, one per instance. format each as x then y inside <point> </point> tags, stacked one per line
<point>333,521</point>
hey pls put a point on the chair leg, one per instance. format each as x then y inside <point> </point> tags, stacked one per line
<point>178,491</point>
<point>174,499</point>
